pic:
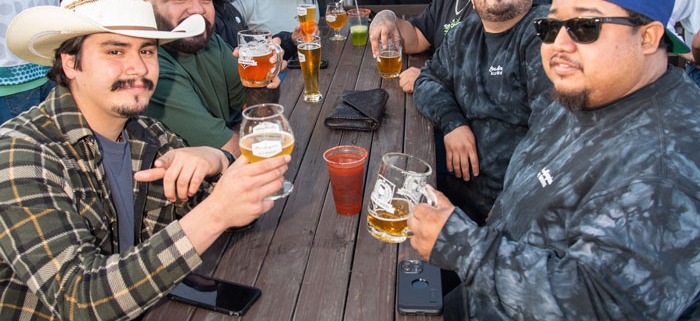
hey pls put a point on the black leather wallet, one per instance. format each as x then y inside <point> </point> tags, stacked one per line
<point>358,110</point>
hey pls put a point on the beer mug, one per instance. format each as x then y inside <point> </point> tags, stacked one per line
<point>255,48</point>
<point>400,185</point>
<point>389,59</point>
<point>309,52</point>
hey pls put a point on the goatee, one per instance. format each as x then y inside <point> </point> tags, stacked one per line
<point>572,101</point>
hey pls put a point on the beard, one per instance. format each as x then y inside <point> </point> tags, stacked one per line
<point>140,104</point>
<point>129,111</point>
<point>186,45</point>
<point>572,101</point>
<point>501,11</point>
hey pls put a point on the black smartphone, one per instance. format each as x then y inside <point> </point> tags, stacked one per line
<point>419,288</point>
<point>293,63</point>
<point>214,294</point>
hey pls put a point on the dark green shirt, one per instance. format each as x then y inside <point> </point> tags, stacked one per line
<point>199,96</point>
<point>58,227</point>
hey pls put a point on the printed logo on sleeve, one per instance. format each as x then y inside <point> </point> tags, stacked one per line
<point>545,177</point>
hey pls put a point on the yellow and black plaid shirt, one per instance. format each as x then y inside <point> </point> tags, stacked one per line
<point>58,237</point>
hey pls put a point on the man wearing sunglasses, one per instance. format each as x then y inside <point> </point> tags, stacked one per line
<point>599,218</point>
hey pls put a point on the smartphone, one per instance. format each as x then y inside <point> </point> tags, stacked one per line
<point>293,63</point>
<point>214,294</point>
<point>419,288</point>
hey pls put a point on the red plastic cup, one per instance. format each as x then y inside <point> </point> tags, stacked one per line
<point>346,166</point>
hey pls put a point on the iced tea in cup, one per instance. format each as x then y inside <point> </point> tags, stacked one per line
<point>346,166</point>
<point>255,50</point>
<point>400,185</point>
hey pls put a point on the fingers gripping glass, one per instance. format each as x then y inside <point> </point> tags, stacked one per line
<point>581,30</point>
<point>265,132</point>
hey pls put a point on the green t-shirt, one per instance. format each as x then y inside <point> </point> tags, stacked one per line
<point>199,96</point>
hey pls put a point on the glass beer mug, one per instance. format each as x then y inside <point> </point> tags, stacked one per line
<point>400,185</point>
<point>255,48</point>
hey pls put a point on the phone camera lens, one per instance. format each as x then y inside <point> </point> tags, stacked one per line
<point>417,267</point>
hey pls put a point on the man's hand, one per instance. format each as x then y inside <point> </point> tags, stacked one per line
<point>460,148</point>
<point>407,79</point>
<point>183,170</point>
<point>427,222</point>
<point>237,200</point>
<point>383,26</point>
<point>242,189</point>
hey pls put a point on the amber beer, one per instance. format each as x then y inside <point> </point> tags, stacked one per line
<point>255,68</point>
<point>259,146</point>
<point>390,227</point>
<point>255,49</point>
<point>337,21</point>
<point>310,61</point>
<point>307,19</point>
<point>389,63</point>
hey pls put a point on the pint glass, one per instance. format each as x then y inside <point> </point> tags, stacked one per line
<point>306,11</point>
<point>389,59</point>
<point>309,52</point>
<point>255,48</point>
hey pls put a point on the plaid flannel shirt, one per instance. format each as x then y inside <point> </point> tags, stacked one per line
<point>58,237</point>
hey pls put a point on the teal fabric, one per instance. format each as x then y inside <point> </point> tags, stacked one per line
<point>16,75</point>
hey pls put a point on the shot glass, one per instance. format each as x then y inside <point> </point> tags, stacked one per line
<point>358,18</point>
<point>346,166</point>
<point>389,60</point>
<point>309,51</point>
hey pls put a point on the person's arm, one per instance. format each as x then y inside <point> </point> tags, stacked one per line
<point>386,25</point>
<point>435,98</point>
<point>61,255</point>
<point>624,260</point>
<point>240,191</point>
<point>696,49</point>
<point>434,89</point>
<point>61,235</point>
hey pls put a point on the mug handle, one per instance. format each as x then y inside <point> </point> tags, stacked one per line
<point>278,64</point>
<point>429,195</point>
<point>430,199</point>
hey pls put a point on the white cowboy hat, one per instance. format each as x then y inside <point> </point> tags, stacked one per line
<point>35,34</point>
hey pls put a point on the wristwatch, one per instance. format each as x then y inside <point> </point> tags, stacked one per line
<point>231,159</point>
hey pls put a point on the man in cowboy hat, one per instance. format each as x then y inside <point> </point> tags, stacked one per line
<point>600,215</point>
<point>83,237</point>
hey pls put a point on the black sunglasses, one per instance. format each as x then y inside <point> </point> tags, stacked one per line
<point>581,29</point>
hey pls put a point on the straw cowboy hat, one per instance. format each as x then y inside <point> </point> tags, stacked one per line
<point>35,34</point>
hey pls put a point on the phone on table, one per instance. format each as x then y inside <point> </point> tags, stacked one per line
<point>293,63</point>
<point>215,294</point>
<point>419,288</point>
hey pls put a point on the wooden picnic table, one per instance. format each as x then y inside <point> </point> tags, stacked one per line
<point>309,262</point>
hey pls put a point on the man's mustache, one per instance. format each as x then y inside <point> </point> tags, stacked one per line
<point>129,83</point>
